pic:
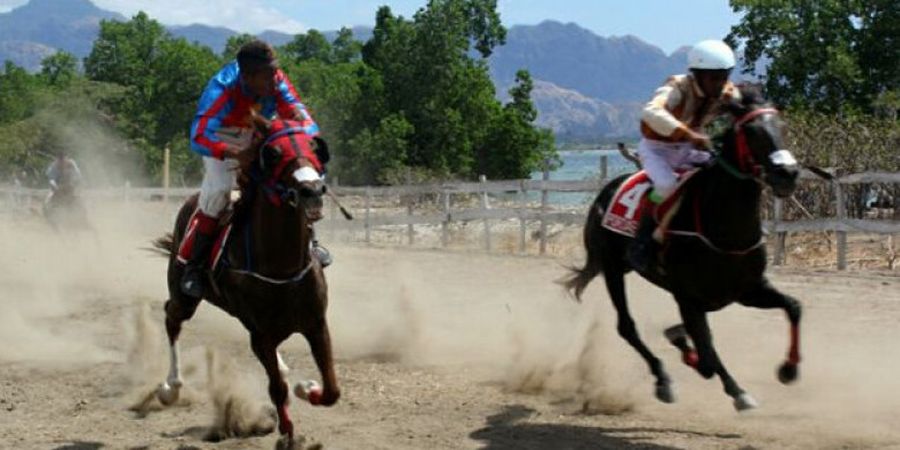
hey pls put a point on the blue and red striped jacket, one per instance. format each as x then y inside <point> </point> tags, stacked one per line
<point>226,103</point>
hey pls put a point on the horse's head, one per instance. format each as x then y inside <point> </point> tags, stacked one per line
<point>288,167</point>
<point>754,145</point>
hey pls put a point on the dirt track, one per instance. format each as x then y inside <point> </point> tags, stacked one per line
<point>435,350</point>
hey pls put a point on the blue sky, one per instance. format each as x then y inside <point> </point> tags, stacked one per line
<point>664,23</point>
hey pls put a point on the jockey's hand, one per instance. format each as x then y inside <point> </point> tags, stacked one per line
<point>700,140</point>
<point>244,157</point>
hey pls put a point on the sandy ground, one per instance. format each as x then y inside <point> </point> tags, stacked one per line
<point>434,350</point>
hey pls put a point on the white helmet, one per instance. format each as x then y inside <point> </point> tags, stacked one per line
<point>711,54</point>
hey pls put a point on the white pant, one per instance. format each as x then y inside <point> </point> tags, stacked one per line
<point>661,159</point>
<point>219,176</point>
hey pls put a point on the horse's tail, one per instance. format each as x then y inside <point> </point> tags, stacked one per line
<point>164,246</point>
<point>579,277</point>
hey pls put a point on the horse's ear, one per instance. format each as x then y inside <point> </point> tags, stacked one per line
<point>259,122</point>
<point>270,156</point>
<point>736,108</point>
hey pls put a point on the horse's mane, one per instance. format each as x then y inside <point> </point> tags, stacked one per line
<point>751,95</point>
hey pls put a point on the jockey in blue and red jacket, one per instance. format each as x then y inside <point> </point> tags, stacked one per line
<point>222,131</point>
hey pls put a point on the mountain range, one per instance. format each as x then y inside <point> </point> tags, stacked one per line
<point>587,87</point>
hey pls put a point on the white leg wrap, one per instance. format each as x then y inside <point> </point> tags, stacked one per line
<point>167,392</point>
<point>282,367</point>
<point>174,378</point>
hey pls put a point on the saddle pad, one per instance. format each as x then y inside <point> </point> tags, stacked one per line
<point>631,200</point>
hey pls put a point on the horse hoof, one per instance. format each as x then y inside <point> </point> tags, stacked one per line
<point>787,373</point>
<point>665,393</point>
<point>745,402</point>
<point>675,333</point>
<point>690,358</point>
<point>310,391</point>
<point>167,394</point>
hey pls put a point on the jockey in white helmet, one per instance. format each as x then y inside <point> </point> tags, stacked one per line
<point>672,125</point>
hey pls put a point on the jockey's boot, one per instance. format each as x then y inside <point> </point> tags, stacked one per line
<point>321,253</point>
<point>643,251</point>
<point>192,278</point>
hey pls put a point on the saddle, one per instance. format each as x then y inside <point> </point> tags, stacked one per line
<point>631,201</point>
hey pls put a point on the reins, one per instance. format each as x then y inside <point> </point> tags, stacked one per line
<point>747,163</point>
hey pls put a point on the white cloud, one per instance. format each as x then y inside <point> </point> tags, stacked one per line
<point>6,5</point>
<point>242,15</point>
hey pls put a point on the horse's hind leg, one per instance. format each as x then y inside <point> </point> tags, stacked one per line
<point>766,296</point>
<point>320,343</point>
<point>178,309</point>
<point>708,363</point>
<point>266,351</point>
<point>615,284</point>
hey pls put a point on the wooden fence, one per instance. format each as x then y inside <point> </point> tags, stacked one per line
<point>517,205</point>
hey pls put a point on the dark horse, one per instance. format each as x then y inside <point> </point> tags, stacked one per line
<point>713,253</point>
<point>270,282</point>
<point>65,211</point>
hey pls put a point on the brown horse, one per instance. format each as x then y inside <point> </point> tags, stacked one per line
<point>270,281</point>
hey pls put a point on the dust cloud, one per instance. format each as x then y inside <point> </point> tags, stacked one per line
<point>70,299</point>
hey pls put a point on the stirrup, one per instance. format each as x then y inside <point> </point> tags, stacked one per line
<point>191,283</point>
<point>322,254</point>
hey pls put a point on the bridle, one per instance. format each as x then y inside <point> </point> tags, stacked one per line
<point>747,166</point>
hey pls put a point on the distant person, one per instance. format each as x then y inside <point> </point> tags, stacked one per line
<point>63,174</point>
<point>672,130</point>
<point>222,131</point>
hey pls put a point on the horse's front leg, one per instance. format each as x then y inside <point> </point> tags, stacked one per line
<point>708,363</point>
<point>766,296</point>
<point>265,350</point>
<point>319,339</point>
<point>178,309</point>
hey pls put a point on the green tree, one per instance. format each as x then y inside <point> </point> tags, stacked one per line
<point>60,68</point>
<point>310,46</point>
<point>430,78</point>
<point>122,51</point>
<point>515,147</point>
<point>380,155</point>
<point>345,47</point>
<point>829,55</point>
<point>20,93</point>
<point>163,78</point>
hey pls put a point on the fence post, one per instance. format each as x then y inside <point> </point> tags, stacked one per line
<point>545,198</point>
<point>368,222</point>
<point>778,258</point>
<point>409,209</point>
<point>410,232</point>
<point>332,213</point>
<point>604,167</point>
<point>126,193</point>
<point>165,175</point>
<point>485,206</point>
<point>445,225</point>
<point>523,209</point>
<point>841,235</point>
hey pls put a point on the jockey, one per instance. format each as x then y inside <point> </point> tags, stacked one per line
<point>222,131</point>
<point>672,132</point>
<point>63,174</point>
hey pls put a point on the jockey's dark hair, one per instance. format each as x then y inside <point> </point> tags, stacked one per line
<point>256,55</point>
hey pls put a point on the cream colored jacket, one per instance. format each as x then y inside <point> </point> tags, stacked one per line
<point>680,104</point>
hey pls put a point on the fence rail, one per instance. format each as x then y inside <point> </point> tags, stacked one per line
<point>517,206</point>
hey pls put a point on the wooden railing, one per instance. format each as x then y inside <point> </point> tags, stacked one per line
<point>368,205</point>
